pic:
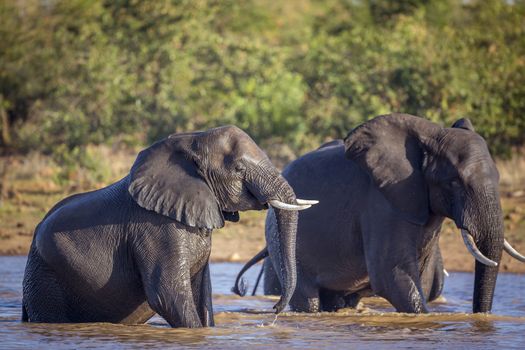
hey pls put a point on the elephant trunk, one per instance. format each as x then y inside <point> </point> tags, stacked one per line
<point>491,245</point>
<point>487,231</point>
<point>281,247</point>
<point>269,186</point>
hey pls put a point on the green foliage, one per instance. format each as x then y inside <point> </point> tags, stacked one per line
<point>80,72</point>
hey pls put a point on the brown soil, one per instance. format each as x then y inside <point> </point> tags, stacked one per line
<point>27,198</point>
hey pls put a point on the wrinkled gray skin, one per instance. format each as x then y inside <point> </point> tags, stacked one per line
<point>403,175</point>
<point>142,245</point>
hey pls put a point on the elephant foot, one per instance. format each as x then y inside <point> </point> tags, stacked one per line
<point>331,301</point>
<point>305,300</point>
<point>352,300</point>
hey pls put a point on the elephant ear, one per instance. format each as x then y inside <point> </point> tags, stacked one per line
<point>165,178</point>
<point>391,150</point>
<point>464,123</point>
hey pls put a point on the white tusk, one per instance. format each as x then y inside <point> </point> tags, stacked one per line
<point>512,252</point>
<point>306,201</point>
<point>473,249</point>
<point>445,272</point>
<point>285,206</point>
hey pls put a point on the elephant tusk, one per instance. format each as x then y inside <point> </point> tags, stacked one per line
<point>306,201</point>
<point>512,252</point>
<point>445,272</point>
<point>285,206</point>
<point>473,249</point>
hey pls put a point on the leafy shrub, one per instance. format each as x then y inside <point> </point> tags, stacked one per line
<point>80,72</point>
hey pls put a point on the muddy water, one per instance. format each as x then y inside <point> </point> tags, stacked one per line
<point>245,322</point>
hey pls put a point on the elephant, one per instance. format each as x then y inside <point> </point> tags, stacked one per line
<point>141,246</point>
<point>376,228</point>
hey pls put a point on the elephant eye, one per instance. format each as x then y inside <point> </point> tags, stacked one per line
<point>239,167</point>
<point>454,183</point>
<point>451,183</point>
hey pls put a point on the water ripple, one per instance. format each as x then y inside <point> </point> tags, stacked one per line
<point>249,321</point>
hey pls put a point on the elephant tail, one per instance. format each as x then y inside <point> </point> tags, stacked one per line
<point>240,288</point>
<point>25,317</point>
<point>258,280</point>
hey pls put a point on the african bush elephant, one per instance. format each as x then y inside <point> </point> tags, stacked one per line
<point>380,213</point>
<point>142,245</point>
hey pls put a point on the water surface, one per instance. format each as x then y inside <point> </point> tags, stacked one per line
<point>245,322</point>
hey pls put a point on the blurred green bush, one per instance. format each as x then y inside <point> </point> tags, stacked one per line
<point>81,72</point>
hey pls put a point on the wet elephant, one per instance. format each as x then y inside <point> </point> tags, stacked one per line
<point>381,210</point>
<point>141,245</point>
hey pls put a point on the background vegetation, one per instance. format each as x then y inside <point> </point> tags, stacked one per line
<point>80,72</point>
<point>85,84</point>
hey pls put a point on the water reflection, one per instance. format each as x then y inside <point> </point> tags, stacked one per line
<point>249,321</point>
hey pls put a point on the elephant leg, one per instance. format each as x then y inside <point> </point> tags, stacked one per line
<point>401,289</point>
<point>43,296</point>
<point>333,301</point>
<point>306,296</point>
<point>305,300</point>
<point>202,294</point>
<point>164,266</point>
<point>432,277</point>
<point>172,297</point>
<point>391,258</point>
<point>437,285</point>
<point>177,306</point>
<point>272,286</point>
<point>352,300</point>
<point>330,300</point>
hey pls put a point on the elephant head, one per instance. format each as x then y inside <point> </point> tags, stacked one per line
<point>426,171</point>
<point>202,179</point>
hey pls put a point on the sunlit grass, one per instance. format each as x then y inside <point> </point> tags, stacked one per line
<point>512,172</point>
